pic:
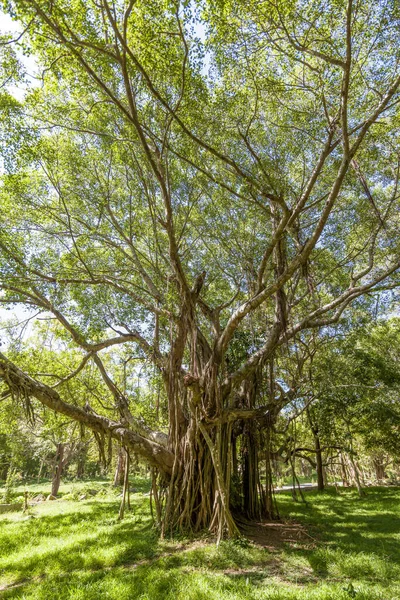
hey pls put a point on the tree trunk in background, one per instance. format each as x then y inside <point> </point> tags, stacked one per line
<point>120,468</point>
<point>379,468</point>
<point>361,473</point>
<point>320,468</point>
<point>82,456</point>
<point>318,452</point>
<point>3,472</point>
<point>58,468</point>
<point>345,475</point>
<point>356,476</point>
<point>40,470</point>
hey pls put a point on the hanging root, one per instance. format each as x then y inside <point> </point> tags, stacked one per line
<point>125,490</point>
<point>18,389</point>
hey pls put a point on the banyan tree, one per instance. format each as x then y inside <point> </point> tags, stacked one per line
<point>201,184</point>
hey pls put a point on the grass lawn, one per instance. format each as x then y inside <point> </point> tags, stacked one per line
<point>68,549</point>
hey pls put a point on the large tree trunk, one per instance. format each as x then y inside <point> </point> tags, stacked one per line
<point>251,498</point>
<point>206,458</point>
<point>269,490</point>
<point>198,490</point>
<point>257,500</point>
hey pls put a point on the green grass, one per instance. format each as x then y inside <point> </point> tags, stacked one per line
<point>288,479</point>
<point>79,551</point>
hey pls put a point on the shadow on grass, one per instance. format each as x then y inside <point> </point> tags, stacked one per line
<point>86,554</point>
<point>358,538</point>
<point>89,539</point>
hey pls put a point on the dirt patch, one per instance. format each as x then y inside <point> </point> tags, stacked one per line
<point>276,534</point>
